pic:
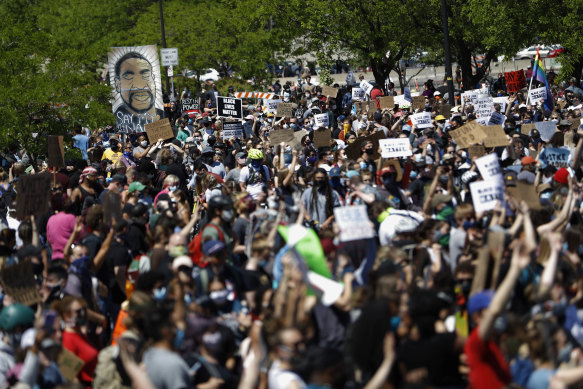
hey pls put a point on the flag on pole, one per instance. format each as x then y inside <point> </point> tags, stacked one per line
<point>538,74</point>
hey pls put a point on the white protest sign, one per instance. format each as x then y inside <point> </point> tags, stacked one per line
<point>469,97</point>
<point>400,100</point>
<point>353,222</point>
<point>272,105</point>
<point>484,106</point>
<point>395,147</point>
<point>483,120</point>
<point>485,194</point>
<point>321,120</point>
<point>422,119</point>
<point>366,86</point>
<point>169,56</point>
<point>489,167</point>
<point>503,101</point>
<point>357,94</point>
<point>537,96</point>
<point>546,129</point>
<point>496,119</point>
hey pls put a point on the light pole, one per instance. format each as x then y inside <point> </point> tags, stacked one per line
<point>163,42</point>
<point>448,75</point>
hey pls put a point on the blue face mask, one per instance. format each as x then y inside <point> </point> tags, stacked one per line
<point>127,154</point>
<point>413,174</point>
<point>160,294</point>
<point>256,162</point>
<point>293,126</point>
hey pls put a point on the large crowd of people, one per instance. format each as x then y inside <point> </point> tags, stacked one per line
<point>218,262</point>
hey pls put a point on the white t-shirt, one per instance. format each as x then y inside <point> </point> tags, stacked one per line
<point>282,379</point>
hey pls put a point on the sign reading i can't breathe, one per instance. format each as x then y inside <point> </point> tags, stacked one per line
<point>229,107</point>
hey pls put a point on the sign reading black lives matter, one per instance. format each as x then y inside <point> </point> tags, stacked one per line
<point>229,107</point>
<point>134,75</point>
<point>232,129</point>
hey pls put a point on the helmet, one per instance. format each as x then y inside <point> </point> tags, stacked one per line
<point>220,202</point>
<point>255,154</point>
<point>16,315</point>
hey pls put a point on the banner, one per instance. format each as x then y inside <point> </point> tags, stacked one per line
<point>232,129</point>
<point>322,120</point>
<point>230,107</point>
<point>489,167</point>
<point>353,222</point>
<point>515,81</point>
<point>190,107</point>
<point>537,95</point>
<point>555,156</point>
<point>134,74</point>
<point>395,147</point>
<point>485,194</point>
<point>422,119</point>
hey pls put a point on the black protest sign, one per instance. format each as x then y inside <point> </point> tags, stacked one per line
<point>353,150</point>
<point>229,107</point>
<point>190,107</point>
<point>515,81</point>
<point>159,130</point>
<point>33,195</point>
<point>232,129</point>
<point>18,282</point>
<point>285,110</point>
<point>56,151</point>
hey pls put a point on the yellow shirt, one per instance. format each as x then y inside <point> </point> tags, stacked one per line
<point>111,155</point>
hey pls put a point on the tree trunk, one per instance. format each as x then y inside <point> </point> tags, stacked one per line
<point>380,71</point>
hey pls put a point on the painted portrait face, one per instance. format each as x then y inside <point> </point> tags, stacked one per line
<point>136,84</point>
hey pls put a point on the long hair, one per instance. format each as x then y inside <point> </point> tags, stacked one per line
<point>327,193</point>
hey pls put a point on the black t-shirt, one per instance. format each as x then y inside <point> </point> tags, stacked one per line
<point>93,243</point>
<point>203,97</point>
<point>118,255</point>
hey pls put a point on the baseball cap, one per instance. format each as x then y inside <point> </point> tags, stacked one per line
<point>334,172</point>
<point>212,247</point>
<point>182,260</point>
<point>510,178</point>
<point>527,160</point>
<point>241,155</point>
<point>479,301</point>
<point>439,117</point>
<point>522,106</point>
<point>561,176</point>
<point>136,186</point>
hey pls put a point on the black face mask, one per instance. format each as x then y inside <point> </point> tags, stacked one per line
<point>320,184</point>
<point>369,151</point>
<point>114,148</point>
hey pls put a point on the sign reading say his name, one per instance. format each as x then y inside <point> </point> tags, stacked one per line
<point>486,193</point>
<point>230,107</point>
<point>190,107</point>
<point>496,119</point>
<point>395,147</point>
<point>484,107</point>
<point>515,81</point>
<point>232,129</point>
<point>387,102</point>
<point>555,156</point>
<point>33,195</point>
<point>159,130</point>
<point>469,134</point>
<point>285,110</point>
<point>272,105</point>
<point>422,119</point>
<point>357,94</point>
<point>489,167</point>
<point>353,222</point>
<point>322,120</point>
<point>537,95</point>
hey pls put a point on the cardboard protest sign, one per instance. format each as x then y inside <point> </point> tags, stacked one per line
<point>272,105</point>
<point>489,167</point>
<point>476,151</point>
<point>526,192</point>
<point>230,107</point>
<point>134,74</point>
<point>56,151</point>
<point>112,207</point>
<point>285,110</point>
<point>469,134</point>
<point>387,102</point>
<point>483,107</point>
<point>322,138</point>
<point>546,129</point>
<point>190,107</point>
<point>515,81</point>
<point>495,136</point>
<point>159,130</point>
<point>353,150</point>
<point>232,129</point>
<point>537,95</point>
<point>372,108</point>
<point>69,364</point>
<point>359,106</point>
<point>321,120</point>
<point>555,156</point>
<point>357,94</point>
<point>366,87</point>
<point>353,222</point>
<point>422,119</point>
<point>418,102</point>
<point>329,91</point>
<point>33,195</point>
<point>395,147</point>
<point>496,119</point>
<point>445,110</point>
<point>527,128</point>
<point>485,194</point>
<point>278,136</point>
<point>19,283</point>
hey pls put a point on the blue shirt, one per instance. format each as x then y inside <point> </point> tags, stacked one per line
<point>82,143</point>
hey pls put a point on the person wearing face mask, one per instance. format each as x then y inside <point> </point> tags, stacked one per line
<point>367,156</point>
<point>113,152</point>
<point>220,216</point>
<point>142,149</point>
<point>320,200</point>
<point>254,177</point>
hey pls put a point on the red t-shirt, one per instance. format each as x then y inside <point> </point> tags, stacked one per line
<point>81,347</point>
<point>488,368</point>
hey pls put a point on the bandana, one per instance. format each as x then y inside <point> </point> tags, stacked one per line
<point>86,172</point>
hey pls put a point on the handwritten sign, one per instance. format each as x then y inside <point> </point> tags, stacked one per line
<point>484,107</point>
<point>357,94</point>
<point>503,101</point>
<point>278,136</point>
<point>527,128</point>
<point>495,136</point>
<point>272,105</point>
<point>69,364</point>
<point>445,110</point>
<point>285,110</point>
<point>232,129</point>
<point>418,102</point>
<point>496,119</point>
<point>395,147</point>
<point>515,81</point>
<point>422,119</point>
<point>190,107</point>
<point>33,195</point>
<point>322,138</point>
<point>387,102</point>
<point>485,194</point>
<point>353,150</point>
<point>489,167</point>
<point>159,130</point>
<point>407,94</point>
<point>329,91</point>
<point>353,222</point>
<point>322,120</point>
<point>476,151</point>
<point>366,87</point>
<point>537,95</point>
<point>468,134</point>
<point>555,156</point>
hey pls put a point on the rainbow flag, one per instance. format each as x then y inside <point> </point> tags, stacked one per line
<point>539,74</point>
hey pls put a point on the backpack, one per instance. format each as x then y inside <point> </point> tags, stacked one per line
<point>195,245</point>
<point>255,176</point>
